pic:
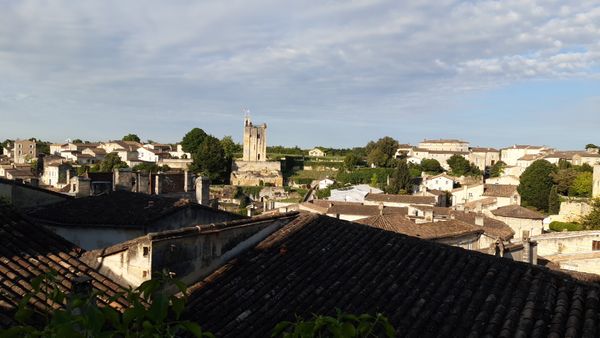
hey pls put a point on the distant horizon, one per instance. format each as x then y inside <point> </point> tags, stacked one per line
<point>336,74</point>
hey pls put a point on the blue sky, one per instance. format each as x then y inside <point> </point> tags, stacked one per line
<point>332,73</point>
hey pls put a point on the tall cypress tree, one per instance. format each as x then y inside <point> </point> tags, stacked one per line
<point>553,201</point>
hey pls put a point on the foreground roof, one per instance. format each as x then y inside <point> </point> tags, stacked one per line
<point>117,208</point>
<point>317,264</point>
<point>517,211</point>
<point>26,251</point>
<point>429,230</point>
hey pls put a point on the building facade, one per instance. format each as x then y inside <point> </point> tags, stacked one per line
<point>255,141</point>
<point>24,151</point>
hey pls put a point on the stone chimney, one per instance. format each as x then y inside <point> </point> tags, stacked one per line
<point>529,249</point>
<point>380,207</point>
<point>250,210</point>
<point>203,190</point>
<point>158,184</point>
<point>479,219</point>
<point>429,215</point>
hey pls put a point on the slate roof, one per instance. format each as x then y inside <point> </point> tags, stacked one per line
<point>26,251</point>
<point>517,211</point>
<point>412,199</point>
<point>121,208</point>
<point>317,264</point>
<point>499,190</point>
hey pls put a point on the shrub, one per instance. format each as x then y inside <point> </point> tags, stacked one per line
<point>565,226</point>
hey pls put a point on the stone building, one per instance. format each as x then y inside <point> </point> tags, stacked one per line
<point>596,187</point>
<point>24,151</point>
<point>254,169</point>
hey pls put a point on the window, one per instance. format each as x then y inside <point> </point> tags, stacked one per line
<point>146,251</point>
<point>595,245</point>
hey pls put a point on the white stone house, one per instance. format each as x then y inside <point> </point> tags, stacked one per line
<point>520,219</point>
<point>441,182</point>
<point>467,193</point>
<point>316,152</point>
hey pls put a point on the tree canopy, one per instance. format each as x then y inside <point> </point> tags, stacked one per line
<point>553,201</point>
<point>382,152</point>
<point>209,159</point>
<point>497,169</point>
<point>151,167</point>
<point>131,137</point>
<point>400,180</point>
<point>351,161</point>
<point>112,161</point>
<point>590,146</point>
<point>592,220</point>
<point>582,185</point>
<point>431,166</point>
<point>192,140</point>
<point>535,185</point>
<point>460,166</point>
<point>230,147</point>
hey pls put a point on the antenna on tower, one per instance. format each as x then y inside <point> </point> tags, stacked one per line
<point>246,117</point>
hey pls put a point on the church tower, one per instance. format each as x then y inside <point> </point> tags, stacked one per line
<point>255,141</point>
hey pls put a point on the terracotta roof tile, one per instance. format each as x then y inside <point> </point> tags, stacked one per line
<point>412,199</point>
<point>517,211</point>
<point>26,251</point>
<point>499,190</point>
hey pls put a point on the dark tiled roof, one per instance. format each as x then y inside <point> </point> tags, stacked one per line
<point>517,211</point>
<point>117,208</point>
<point>412,199</point>
<point>317,264</point>
<point>394,222</point>
<point>483,150</point>
<point>31,187</point>
<point>444,141</point>
<point>26,251</point>
<point>499,190</point>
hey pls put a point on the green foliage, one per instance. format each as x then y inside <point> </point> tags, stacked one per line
<point>374,181</point>
<point>340,326</point>
<point>382,152</point>
<point>564,180</point>
<point>400,179</point>
<point>230,148</point>
<point>535,185</point>
<point>592,220</point>
<point>564,226</point>
<point>192,140</point>
<point>564,164</point>
<point>497,169</point>
<point>110,162</point>
<point>77,140</point>
<point>553,201</point>
<point>351,161</point>
<point>364,176</point>
<point>431,166</point>
<point>461,166</point>
<point>303,180</point>
<point>151,313</point>
<point>585,168</point>
<point>582,185</point>
<point>151,167</point>
<point>209,159</point>
<point>590,146</point>
<point>285,150</point>
<point>131,137</point>
<point>41,147</point>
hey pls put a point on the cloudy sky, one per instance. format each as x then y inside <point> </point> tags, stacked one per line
<point>325,72</point>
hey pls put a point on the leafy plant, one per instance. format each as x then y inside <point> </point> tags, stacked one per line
<point>151,313</point>
<point>342,325</point>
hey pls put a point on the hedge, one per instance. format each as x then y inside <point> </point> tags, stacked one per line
<point>565,226</point>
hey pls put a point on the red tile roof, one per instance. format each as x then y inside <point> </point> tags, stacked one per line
<point>411,199</point>
<point>517,211</point>
<point>499,190</point>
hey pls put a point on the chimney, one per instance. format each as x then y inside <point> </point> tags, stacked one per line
<point>186,183</point>
<point>380,207</point>
<point>202,190</point>
<point>479,219</point>
<point>158,184</point>
<point>429,215</point>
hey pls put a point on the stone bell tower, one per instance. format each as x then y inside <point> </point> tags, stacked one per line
<point>255,141</point>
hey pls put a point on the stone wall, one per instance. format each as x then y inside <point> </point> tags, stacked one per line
<point>24,196</point>
<point>566,242</point>
<point>596,187</point>
<point>256,173</point>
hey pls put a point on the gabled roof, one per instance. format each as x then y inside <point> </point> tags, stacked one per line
<point>26,251</point>
<point>317,264</point>
<point>442,175</point>
<point>411,199</point>
<point>363,210</point>
<point>491,227</point>
<point>119,208</point>
<point>431,230</point>
<point>499,190</point>
<point>517,211</point>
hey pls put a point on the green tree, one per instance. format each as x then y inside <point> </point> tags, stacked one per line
<point>536,183</point>
<point>461,166</point>
<point>150,167</point>
<point>497,169</point>
<point>343,325</point>
<point>382,152</point>
<point>591,221</point>
<point>110,162</point>
<point>582,185</point>
<point>553,201</point>
<point>400,181</point>
<point>77,140</point>
<point>209,159</point>
<point>585,168</point>
<point>564,164</point>
<point>431,166</point>
<point>564,180</point>
<point>590,146</point>
<point>192,140</point>
<point>230,147</point>
<point>131,137</point>
<point>374,181</point>
<point>351,161</point>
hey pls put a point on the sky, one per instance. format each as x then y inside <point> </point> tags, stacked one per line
<point>326,72</point>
